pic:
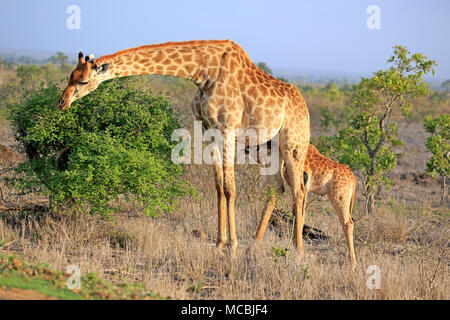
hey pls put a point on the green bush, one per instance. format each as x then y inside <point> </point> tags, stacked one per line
<point>439,146</point>
<point>369,143</point>
<point>118,142</point>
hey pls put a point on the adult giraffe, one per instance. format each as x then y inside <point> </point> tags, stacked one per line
<point>232,94</point>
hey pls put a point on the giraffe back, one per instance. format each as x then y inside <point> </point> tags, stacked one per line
<point>326,176</point>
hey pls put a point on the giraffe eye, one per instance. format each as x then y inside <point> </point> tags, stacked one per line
<point>84,82</point>
<point>102,68</point>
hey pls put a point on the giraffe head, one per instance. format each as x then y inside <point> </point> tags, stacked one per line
<point>83,80</point>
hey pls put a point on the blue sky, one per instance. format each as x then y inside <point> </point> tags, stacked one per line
<point>325,35</point>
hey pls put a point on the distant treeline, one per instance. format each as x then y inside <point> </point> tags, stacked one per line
<point>15,59</point>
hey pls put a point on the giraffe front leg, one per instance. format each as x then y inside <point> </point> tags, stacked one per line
<point>299,207</point>
<point>230,194</point>
<point>221,201</point>
<point>229,185</point>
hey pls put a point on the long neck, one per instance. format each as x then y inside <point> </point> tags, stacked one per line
<point>194,60</point>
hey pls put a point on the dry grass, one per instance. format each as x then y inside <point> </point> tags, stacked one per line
<point>407,238</point>
<point>7,75</point>
<point>410,247</point>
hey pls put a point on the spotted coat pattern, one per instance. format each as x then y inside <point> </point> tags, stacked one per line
<point>233,93</point>
<point>324,177</point>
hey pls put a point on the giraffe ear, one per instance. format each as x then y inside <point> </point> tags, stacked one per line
<point>80,58</point>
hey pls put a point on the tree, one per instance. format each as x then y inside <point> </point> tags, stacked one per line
<point>113,142</point>
<point>59,58</point>
<point>369,142</point>
<point>332,91</point>
<point>30,77</point>
<point>3,64</point>
<point>264,67</point>
<point>283,79</point>
<point>438,144</point>
<point>446,85</point>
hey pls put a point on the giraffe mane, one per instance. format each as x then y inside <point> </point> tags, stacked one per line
<point>166,44</point>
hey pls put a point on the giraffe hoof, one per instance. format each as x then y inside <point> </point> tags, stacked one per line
<point>220,245</point>
<point>232,255</point>
<point>298,255</point>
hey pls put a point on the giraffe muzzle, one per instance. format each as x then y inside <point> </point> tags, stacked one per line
<point>62,104</point>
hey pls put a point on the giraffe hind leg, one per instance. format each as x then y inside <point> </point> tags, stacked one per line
<point>342,206</point>
<point>295,168</point>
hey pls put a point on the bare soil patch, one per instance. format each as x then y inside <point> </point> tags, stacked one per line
<point>22,294</point>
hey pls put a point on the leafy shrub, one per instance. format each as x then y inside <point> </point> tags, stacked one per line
<point>438,145</point>
<point>369,143</point>
<point>118,143</point>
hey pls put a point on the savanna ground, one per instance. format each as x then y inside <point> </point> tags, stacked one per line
<point>174,255</point>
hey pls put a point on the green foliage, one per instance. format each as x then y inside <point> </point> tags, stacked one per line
<point>283,79</point>
<point>337,119</point>
<point>332,90</point>
<point>4,65</point>
<point>327,118</point>
<point>59,58</point>
<point>446,85</point>
<point>346,147</point>
<point>305,273</point>
<point>439,146</point>
<point>328,104</point>
<point>264,67</point>
<point>369,142</point>
<point>29,77</point>
<point>195,285</point>
<point>439,97</point>
<point>278,253</point>
<point>119,144</point>
<point>16,273</point>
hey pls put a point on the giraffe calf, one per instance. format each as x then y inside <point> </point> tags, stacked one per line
<point>323,176</point>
